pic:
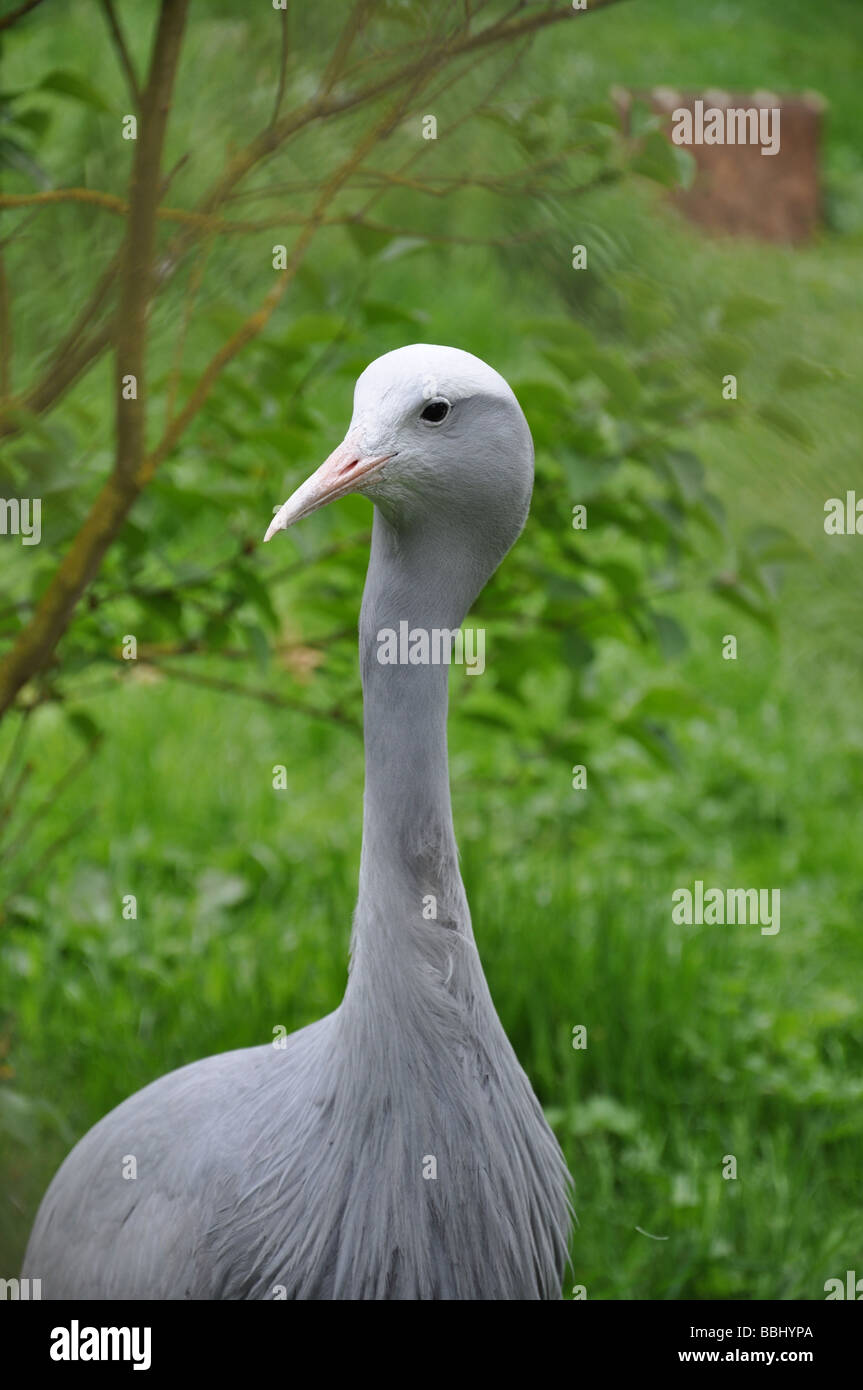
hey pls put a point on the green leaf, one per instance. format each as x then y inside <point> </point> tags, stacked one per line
<point>771,544</point>
<point>643,120</point>
<point>624,579</point>
<point>564,333</point>
<point>166,607</point>
<point>602,113</point>
<point>577,651</point>
<point>710,512</point>
<point>740,310</point>
<point>672,638</point>
<point>13,155</point>
<point>85,727</point>
<point>798,373</point>
<point>658,160</point>
<point>312,328</point>
<point>687,472</point>
<point>217,634</point>
<point>257,593</point>
<point>71,84</point>
<point>745,598</point>
<point>687,167</point>
<point>666,701</point>
<point>402,246</point>
<point>721,354</point>
<point>377,311</point>
<point>545,404</point>
<point>654,739</point>
<point>35,119</point>
<point>258,645</point>
<point>787,424</point>
<point>620,381</point>
<point>569,361</point>
<point>369,241</point>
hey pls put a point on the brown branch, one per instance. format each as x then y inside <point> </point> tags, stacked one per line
<point>76,352</point>
<point>68,360</point>
<point>422,68</point>
<point>8,807</point>
<point>205,578</point>
<point>112,203</point>
<point>215,225</point>
<point>17,747</point>
<point>122,51</point>
<point>5,332</point>
<point>131,329</point>
<point>257,321</point>
<point>52,386</point>
<point>8,20</point>
<point>57,790</point>
<point>283,67</point>
<point>336,66</point>
<point>37,641</point>
<point>39,864</point>
<point>193,289</point>
<point>65,370</point>
<point>83,559</point>
<point>266,696</point>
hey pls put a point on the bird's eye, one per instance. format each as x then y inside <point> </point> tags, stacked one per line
<point>436,412</point>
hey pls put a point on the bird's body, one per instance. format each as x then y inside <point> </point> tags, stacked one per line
<point>394,1149</point>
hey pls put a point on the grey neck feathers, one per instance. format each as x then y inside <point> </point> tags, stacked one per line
<point>412,913</point>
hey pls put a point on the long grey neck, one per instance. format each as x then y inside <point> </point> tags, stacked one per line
<point>410,888</point>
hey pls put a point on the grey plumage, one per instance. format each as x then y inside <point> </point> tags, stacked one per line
<point>299,1172</point>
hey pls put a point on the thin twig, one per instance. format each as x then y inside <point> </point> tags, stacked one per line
<point>8,20</point>
<point>283,67</point>
<point>122,51</point>
<point>265,696</point>
<point>54,612</point>
<point>75,352</point>
<point>8,806</point>
<point>37,640</point>
<point>74,770</point>
<point>53,846</point>
<point>193,289</point>
<point>5,332</point>
<point>14,750</point>
<point>56,381</point>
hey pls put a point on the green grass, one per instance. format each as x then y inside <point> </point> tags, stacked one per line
<point>711,1042</point>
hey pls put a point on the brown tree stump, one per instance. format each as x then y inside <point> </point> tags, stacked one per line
<point>737,190</point>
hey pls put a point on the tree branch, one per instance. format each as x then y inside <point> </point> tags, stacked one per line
<point>131,328</point>
<point>283,67</point>
<point>8,20</point>
<point>83,559</point>
<point>37,641</point>
<point>65,370</point>
<point>266,696</point>
<point>5,332</point>
<point>133,467</point>
<point>122,51</point>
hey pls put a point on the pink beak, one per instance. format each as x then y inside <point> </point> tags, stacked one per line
<point>340,474</point>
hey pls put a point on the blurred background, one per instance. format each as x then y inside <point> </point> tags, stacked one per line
<point>152,778</point>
